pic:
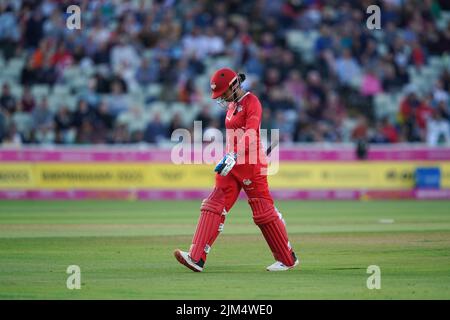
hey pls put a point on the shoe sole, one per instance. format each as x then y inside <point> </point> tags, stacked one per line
<point>181,260</point>
<point>297,262</point>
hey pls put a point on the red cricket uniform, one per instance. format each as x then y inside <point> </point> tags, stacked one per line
<point>246,115</point>
<point>243,120</point>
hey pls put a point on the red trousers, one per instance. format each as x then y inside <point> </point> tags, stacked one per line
<point>253,180</point>
<point>247,177</point>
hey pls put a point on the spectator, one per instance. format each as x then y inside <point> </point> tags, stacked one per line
<point>103,83</point>
<point>12,138</point>
<point>188,93</point>
<point>417,54</point>
<point>42,116</point>
<point>101,55</point>
<point>390,81</point>
<point>99,33</point>
<point>83,113</point>
<point>43,128</point>
<point>295,87</point>
<point>89,93</point>
<point>440,94</point>
<point>120,134</point>
<point>7,100</point>
<point>443,108</point>
<point>146,73</point>
<point>53,26</point>
<point>28,101</point>
<point>156,131</point>
<point>286,128</point>
<point>125,60</point>
<point>388,131</point>
<point>438,129</point>
<point>324,41</point>
<point>370,85</point>
<point>117,102</point>
<point>204,116</point>
<point>86,133</point>
<point>279,100</point>
<point>34,29</point>
<point>47,74</point>
<point>62,58</point>
<point>176,123</point>
<point>303,131</point>
<point>347,68</point>
<point>193,44</point>
<point>213,43</point>
<point>28,75</point>
<point>63,124</point>
<point>212,133</point>
<point>414,114</point>
<point>135,119</point>
<point>41,54</point>
<point>104,119</point>
<point>315,86</point>
<point>360,132</point>
<point>9,31</point>
<point>267,121</point>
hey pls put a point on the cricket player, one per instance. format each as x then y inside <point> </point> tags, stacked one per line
<point>243,167</point>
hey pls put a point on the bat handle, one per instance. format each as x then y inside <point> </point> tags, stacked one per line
<point>271,147</point>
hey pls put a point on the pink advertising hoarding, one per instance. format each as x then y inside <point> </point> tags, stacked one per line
<point>287,154</point>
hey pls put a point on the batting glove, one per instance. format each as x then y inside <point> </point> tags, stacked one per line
<point>226,164</point>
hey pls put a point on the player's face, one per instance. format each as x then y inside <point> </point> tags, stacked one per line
<point>228,95</point>
<point>225,98</point>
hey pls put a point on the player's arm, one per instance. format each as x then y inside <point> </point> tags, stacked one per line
<point>252,122</point>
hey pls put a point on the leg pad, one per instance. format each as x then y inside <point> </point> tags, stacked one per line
<point>208,224</point>
<point>273,229</point>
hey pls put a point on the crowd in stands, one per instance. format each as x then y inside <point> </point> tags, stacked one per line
<point>133,45</point>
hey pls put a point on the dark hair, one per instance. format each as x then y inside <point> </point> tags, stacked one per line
<point>241,77</point>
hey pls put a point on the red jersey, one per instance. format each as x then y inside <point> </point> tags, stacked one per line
<point>243,121</point>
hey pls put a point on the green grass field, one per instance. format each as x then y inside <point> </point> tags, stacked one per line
<point>124,250</point>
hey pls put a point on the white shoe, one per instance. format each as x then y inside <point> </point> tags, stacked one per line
<point>184,258</point>
<point>279,266</point>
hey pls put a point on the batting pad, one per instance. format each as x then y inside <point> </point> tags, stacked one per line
<point>208,224</point>
<point>273,229</point>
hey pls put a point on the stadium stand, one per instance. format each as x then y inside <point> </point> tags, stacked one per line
<point>139,69</point>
